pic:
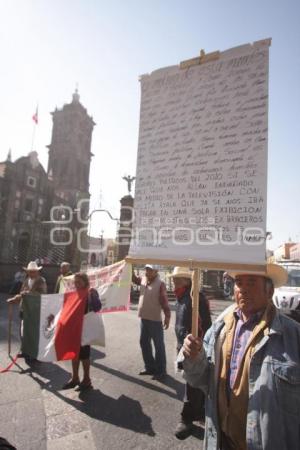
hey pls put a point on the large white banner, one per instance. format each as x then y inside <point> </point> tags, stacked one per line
<point>113,284</point>
<point>201,186</point>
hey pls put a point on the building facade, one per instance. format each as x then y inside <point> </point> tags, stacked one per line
<point>295,252</point>
<point>26,195</point>
<point>283,251</point>
<point>43,213</point>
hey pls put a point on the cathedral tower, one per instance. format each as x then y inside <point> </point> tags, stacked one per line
<point>69,169</point>
<point>70,151</point>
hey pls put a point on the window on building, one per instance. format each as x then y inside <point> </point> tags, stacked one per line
<point>28,204</point>
<point>31,181</point>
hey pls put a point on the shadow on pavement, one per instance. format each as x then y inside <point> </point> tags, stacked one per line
<point>169,381</point>
<point>96,354</point>
<point>173,384</point>
<point>123,412</point>
<point>54,375</point>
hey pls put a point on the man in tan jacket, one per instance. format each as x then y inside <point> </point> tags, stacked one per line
<point>248,365</point>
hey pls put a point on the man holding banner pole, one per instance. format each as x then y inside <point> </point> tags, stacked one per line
<point>153,299</point>
<point>34,283</point>
<point>193,403</point>
<point>248,364</point>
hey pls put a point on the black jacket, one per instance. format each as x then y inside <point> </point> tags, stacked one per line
<point>183,324</point>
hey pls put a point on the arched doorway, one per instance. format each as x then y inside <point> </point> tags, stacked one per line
<point>93,260</point>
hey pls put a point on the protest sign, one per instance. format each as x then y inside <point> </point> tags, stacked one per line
<point>201,180</point>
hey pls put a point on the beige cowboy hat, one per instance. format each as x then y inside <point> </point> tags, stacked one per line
<point>32,265</point>
<point>274,272</point>
<point>180,272</point>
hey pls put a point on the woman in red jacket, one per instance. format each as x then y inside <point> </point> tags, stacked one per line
<point>93,303</point>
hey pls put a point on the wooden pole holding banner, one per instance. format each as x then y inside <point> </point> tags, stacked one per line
<point>195,301</point>
<point>10,315</point>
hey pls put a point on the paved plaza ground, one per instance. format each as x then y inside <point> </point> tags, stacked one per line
<point>123,411</point>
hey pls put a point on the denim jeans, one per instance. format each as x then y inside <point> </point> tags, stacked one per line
<point>153,331</point>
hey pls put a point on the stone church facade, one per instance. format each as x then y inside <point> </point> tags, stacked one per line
<point>43,213</point>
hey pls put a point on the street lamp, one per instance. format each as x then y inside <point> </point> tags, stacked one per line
<point>89,217</point>
<point>101,210</point>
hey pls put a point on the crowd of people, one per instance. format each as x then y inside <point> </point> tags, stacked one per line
<point>242,372</point>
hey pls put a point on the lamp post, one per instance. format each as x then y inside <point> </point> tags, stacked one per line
<point>101,247</point>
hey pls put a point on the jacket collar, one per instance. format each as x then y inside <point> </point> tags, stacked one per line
<point>275,327</point>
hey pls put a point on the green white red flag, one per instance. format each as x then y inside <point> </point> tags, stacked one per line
<point>52,326</point>
<point>55,325</point>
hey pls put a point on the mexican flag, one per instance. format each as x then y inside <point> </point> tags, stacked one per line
<point>55,326</point>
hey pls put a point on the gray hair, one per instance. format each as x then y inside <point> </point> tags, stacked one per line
<point>65,264</point>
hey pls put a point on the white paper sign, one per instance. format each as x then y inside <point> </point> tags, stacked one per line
<point>201,186</point>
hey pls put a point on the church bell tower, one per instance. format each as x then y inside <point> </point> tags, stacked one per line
<point>69,168</point>
<point>70,151</point>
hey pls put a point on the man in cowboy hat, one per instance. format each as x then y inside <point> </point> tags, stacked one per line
<point>153,300</point>
<point>64,272</point>
<point>249,367</point>
<point>193,405</point>
<point>34,283</point>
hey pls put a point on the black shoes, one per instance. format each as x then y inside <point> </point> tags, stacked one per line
<point>70,385</point>
<point>146,372</point>
<point>79,386</point>
<point>156,376</point>
<point>159,376</point>
<point>84,387</point>
<point>183,430</point>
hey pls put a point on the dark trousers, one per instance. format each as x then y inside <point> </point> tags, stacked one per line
<point>153,331</point>
<point>194,404</point>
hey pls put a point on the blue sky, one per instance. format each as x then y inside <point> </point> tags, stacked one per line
<point>46,47</point>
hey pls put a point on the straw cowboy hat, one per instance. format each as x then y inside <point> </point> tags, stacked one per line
<point>180,272</point>
<point>274,272</point>
<point>32,266</point>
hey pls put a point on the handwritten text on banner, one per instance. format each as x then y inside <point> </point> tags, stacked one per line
<point>202,160</point>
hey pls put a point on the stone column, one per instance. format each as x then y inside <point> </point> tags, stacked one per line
<point>124,232</point>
